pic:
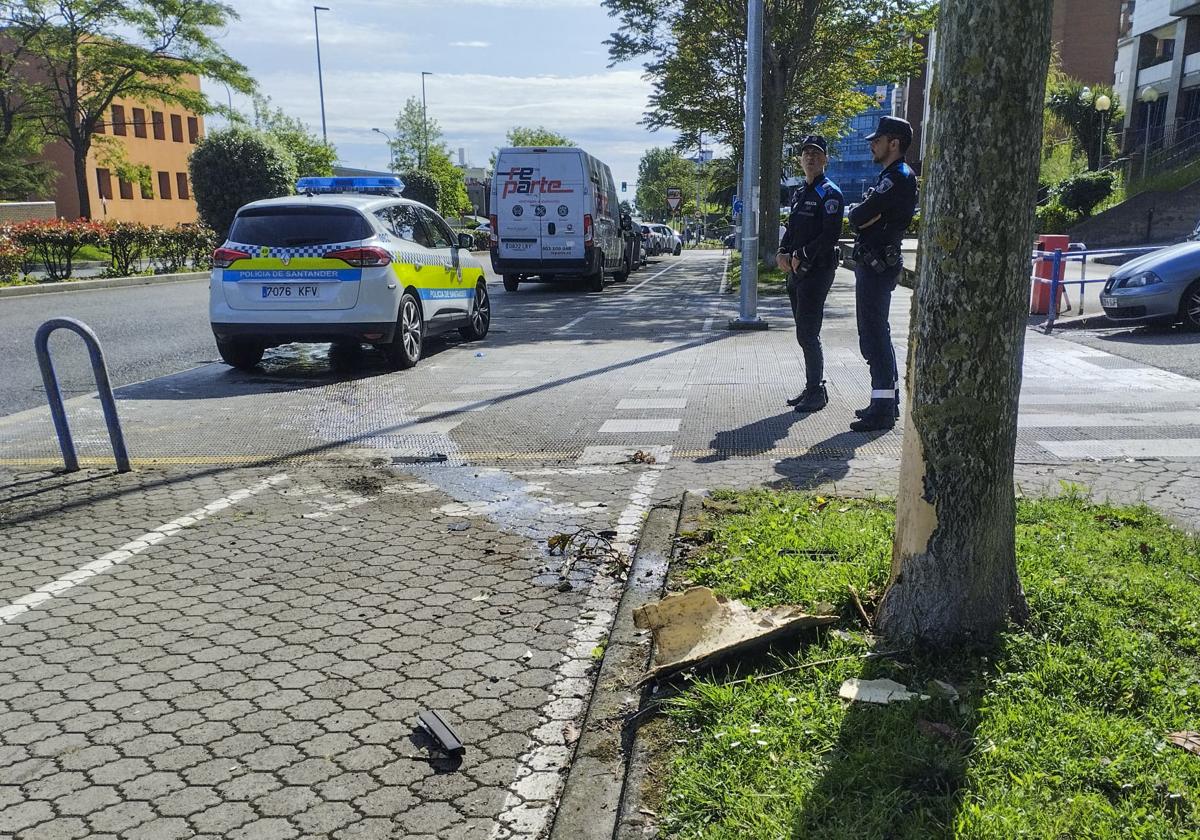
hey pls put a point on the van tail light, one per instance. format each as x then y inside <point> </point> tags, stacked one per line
<point>589,235</point>
<point>494,238</point>
<point>225,257</point>
<point>370,257</point>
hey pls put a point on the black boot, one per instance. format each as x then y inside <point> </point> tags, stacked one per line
<point>863,412</point>
<point>814,398</point>
<point>880,415</point>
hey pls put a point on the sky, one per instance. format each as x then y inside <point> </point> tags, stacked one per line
<point>495,64</point>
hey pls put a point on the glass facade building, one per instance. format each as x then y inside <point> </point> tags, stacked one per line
<point>850,164</point>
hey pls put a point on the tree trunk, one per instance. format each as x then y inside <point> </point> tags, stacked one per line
<point>954,574</point>
<point>770,163</point>
<point>81,183</point>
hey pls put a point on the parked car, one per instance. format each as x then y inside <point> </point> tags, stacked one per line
<point>347,261</point>
<point>672,241</point>
<point>650,240</point>
<point>1160,287</point>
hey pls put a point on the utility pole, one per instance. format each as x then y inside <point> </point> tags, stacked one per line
<point>424,121</point>
<point>748,315</point>
<point>320,80</point>
<point>699,173</point>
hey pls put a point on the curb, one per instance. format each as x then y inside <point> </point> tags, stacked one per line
<point>634,823</point>
<point>595,788</point>
<point>108,283</point>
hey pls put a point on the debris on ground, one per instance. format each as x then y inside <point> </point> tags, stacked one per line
<point>881,692</point>
<point>697,627</point>
<point>641,457</point>
<point>945,690</point>
<point>437,728</point>
<point>1189,741</point>
<point>589,546</point>
<point>942,731</point>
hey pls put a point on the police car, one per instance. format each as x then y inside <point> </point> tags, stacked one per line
<point>345,260</point>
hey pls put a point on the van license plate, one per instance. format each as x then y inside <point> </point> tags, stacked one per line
<point>292,291</point>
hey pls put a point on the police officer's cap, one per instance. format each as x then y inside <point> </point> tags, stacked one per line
<point>816,141</point>
<point>893,127</point>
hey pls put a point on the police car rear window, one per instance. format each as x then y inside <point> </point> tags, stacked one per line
<point>292,227</point>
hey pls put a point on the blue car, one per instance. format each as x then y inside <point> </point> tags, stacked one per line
<point>1160,287</point>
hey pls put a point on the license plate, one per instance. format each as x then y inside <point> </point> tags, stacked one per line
<point>1108,301</point>
<point>292,291</point>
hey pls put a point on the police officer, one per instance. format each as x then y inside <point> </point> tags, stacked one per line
<point>808,251</point>
<point>880,222</point>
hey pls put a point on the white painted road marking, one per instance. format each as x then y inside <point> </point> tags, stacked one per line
<point>671,402</point>
<point>1109,419</point>
<point>623,454</point>
<point>643,425</point>
<point>449,407</point>
<point>1072,450</point>
<point>529,806</point>
<point>570,324</point>
<point>130,550</point>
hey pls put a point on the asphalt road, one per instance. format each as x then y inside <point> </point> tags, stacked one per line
<point>1170,348</point>
<point>146,332</point>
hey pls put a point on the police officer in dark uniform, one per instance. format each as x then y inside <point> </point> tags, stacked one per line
<point>808,251</point>
<point>880,222</point>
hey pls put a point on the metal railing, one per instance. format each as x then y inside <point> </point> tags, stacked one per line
<point>54,392</point>
<point>1058,259</point>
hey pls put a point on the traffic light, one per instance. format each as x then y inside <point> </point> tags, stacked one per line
<point>623,185</point>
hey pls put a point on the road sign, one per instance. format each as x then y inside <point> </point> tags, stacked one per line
<point>737,206</point>
<point>674,198</point>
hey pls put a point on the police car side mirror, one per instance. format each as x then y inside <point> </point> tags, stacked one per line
<point>466,240</point>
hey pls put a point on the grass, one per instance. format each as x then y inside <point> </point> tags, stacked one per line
<point>771,281</point>
<point>1059,731</point>
<point>91,253</point>
<point>1166,181</point>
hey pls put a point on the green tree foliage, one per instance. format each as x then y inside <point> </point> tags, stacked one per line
<point>411,137</point>
<point>421,186</point>
<point>1074,104</point>
<point>22,175</point>
<point>658,171</point>
<point>312,156</point>
<point>521,135</point>
<point>815,52</point>
<point>1083,192</point>
<point>233,167</point>
<point>86,53</point>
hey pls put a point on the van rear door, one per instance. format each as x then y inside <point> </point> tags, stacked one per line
<point>539,205</point>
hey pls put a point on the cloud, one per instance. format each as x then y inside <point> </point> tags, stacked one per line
<point>475,44</point>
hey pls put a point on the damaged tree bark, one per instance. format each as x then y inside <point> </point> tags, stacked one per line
<point>954,573</point>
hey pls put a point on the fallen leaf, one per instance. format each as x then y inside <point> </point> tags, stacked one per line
<point>1189,741</point>
<point>1144,549</point>
<point>570,733</point>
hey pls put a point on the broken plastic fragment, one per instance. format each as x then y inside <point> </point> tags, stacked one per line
<point>877,691</point>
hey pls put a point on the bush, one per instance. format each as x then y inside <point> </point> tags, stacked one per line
<point>234,167</point>
<point>56,242</point>
<point>1081,193</point>
<point>127,244</point>
<point>421,186</point>
<point>1054,218</point>
<point>12,258</point>
<point>187,244</point>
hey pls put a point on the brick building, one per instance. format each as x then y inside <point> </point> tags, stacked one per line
<point>1085,35</point>
<point>159,136</point>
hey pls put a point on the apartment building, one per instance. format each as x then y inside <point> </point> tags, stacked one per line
<point>1159,51</point>
<point>154,134</point>
<point>1084,34</point>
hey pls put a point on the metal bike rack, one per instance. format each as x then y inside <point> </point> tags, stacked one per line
<point>54,393</point>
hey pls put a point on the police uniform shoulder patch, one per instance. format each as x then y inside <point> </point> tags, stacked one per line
<point>832,206</point>
<point>821,190</point>
<point>885,185</point>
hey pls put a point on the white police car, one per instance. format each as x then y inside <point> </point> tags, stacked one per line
<point>346,260</point>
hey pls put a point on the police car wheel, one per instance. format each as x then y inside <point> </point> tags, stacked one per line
<point>511,283</point>
<point>481,316</point>
<point>678,250</point>
<point>240,353</point>
<point>405,349</point>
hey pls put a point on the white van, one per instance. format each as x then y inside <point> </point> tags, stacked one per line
<point>555,214</point>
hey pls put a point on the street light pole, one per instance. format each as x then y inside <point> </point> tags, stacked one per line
<point>1149,97</point>
<point>1102,104</point>
<point>320,78</point>
<point>391,149</point>
<point>424,121</point>
<point>751,181</point>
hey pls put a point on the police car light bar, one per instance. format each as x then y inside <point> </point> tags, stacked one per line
<point>381,185</point>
